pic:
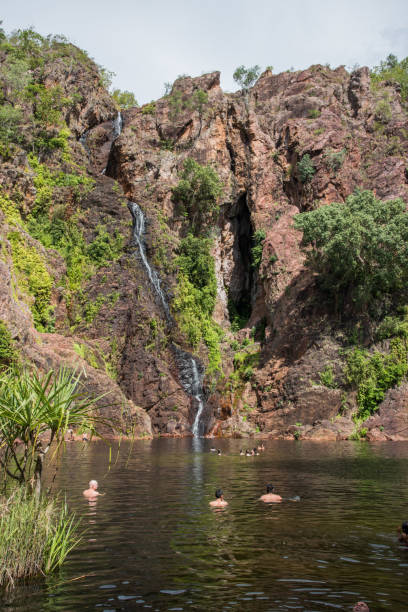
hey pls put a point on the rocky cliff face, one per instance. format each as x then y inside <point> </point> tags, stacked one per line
<point>356,137</point>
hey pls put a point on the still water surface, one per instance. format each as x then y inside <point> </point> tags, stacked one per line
<point>153,543</point>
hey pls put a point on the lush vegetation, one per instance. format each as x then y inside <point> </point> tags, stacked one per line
<point>194,301</point>
<point>36,535</point>
<point>36,532</point>
<point>35,411</point>
<point>372,374</point>
<point>359,249</point>
<point>8,353</point>
<point>124,99</point>
<point>305,168</point>
<point>33,279</point>
<point>31,114</point>
<point>392,70</point>
<point>197,194</point>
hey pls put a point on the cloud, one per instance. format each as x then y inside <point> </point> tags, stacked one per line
<point>148,43</point>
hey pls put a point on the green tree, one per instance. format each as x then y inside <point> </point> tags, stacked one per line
<point>198,193</point>
<point>392,70</point>
<point>10,120</point>
<point>359,249</point>
<point>37,409</point>
<point>305,168</point>
<point>124,99</point>
<point>246,77</point>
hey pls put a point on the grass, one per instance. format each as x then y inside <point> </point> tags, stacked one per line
<point>35,536</point>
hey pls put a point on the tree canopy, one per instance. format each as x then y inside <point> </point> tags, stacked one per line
<point>391,69</point>
<point>246,77</point>
<point>198,192</point>
<point>124,99</point>
<point>359,248</point>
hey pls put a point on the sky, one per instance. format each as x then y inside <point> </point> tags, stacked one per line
<point>149,42</point>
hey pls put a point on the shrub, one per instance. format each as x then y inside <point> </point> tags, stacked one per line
<point>10,120</point>
<point>314,113</point>
<point>195,296</point>
<point>198,193</point>
<point>372,375</point>
<point>359,248</point>
<point>35,536</point>
<point>383,112</point>
<point>34,279</point>
<point>246,77</point>
<point>327,378</point>
<point>334,159</point>
<point>245,363</point>
<point>7,352</point>
<point>35,410</point>
<point>256,251</point>
<point>105,247</point>
<point>392,70</point>
<point>392,327</point>
<point>124,99</point>
<point>149,109</point>
<point>305,168</point>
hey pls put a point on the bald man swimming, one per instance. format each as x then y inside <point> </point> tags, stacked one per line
<point>91,493</point>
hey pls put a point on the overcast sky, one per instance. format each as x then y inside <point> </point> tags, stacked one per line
<point>149,42</point>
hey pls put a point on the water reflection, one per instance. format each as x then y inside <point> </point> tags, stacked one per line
<point>154,541</point>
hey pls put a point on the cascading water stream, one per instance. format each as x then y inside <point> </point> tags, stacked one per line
<point>117,125</point>
<point>138,237</point>
<point>190,377</point>
<point>197,390</point>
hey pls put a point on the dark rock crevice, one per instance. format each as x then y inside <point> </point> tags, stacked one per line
<point>241,286</point>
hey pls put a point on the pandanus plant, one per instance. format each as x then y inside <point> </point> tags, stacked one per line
<point>35,411</point>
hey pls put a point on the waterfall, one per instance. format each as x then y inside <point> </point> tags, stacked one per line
<point>138,237</point>
<point>197,390</point>
<point>190,371</point>
<point>117,125</point>
<point>191,379</point>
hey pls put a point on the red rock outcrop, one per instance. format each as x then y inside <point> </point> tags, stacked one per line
<point>254,140</point>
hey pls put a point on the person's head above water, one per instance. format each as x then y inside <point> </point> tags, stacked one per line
<point>93,484</point>
<point>219,493</point>
<point>404,527</point>
<point>269,488</point>
<point>361,606</point>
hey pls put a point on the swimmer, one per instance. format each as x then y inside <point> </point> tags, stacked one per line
<point>255,451</point>
<point>270,497</point>
<point>361,606</point>
<point>213,450</point>
<point>248,453</point>
<point>91,493</point>
<point>218,452</point>
<point>219,501</point>
<point>241,452</point>
<point>403,533</point>
<point>70,433</point>
<point>261,447</point>
<point>85,437</point>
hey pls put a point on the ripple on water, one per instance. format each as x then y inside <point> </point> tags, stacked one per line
<point>154,528</point>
